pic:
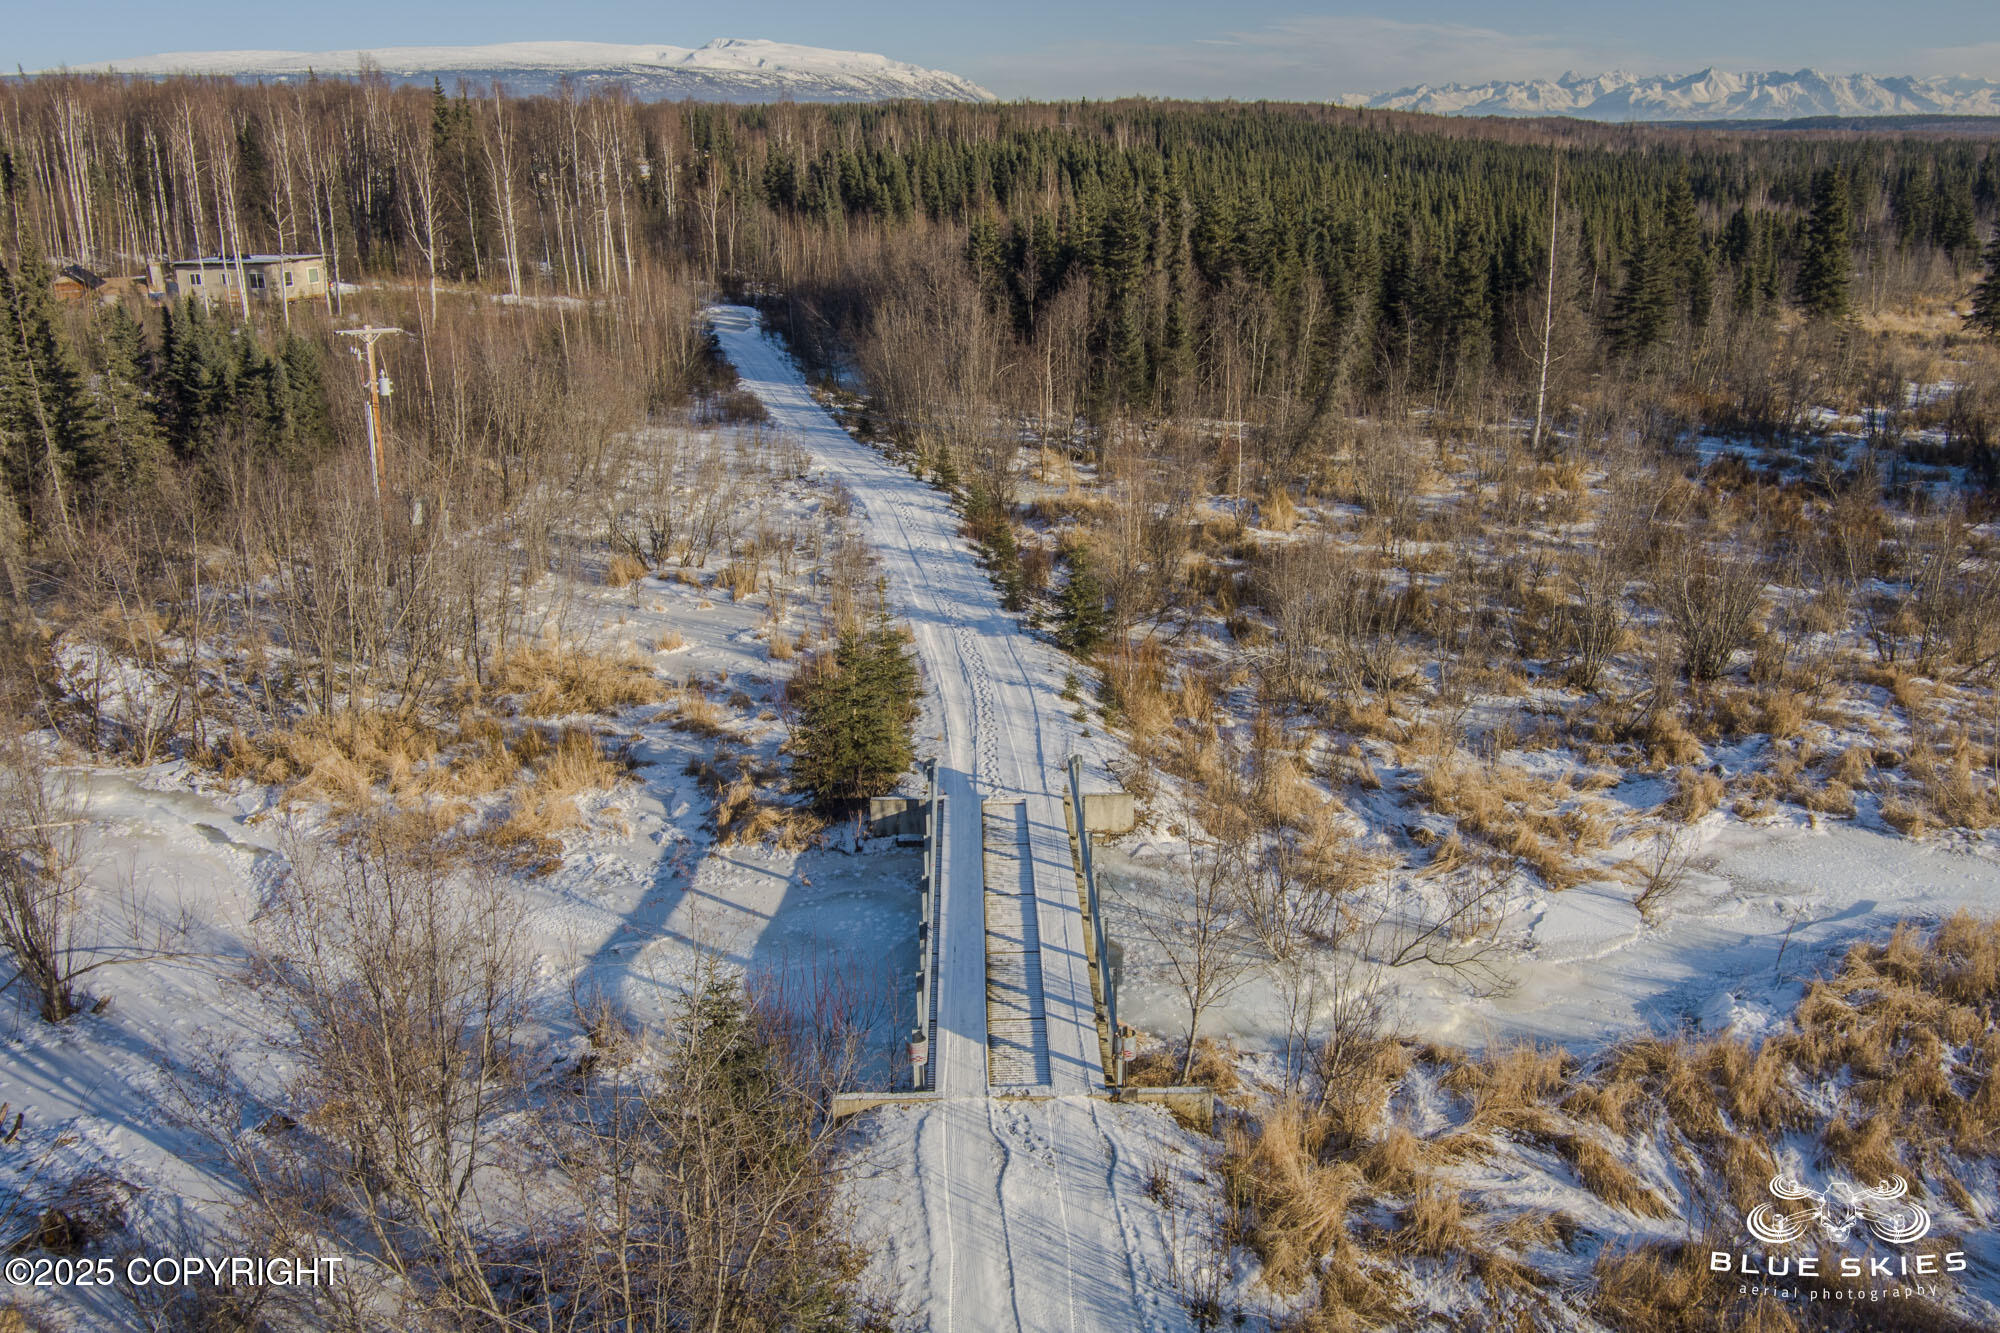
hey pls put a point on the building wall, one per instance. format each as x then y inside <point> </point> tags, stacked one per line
<point>293,279</point>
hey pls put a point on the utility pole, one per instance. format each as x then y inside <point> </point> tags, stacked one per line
<point>377,385</point>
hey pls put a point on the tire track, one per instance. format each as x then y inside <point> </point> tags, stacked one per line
<point>1032,1236</point>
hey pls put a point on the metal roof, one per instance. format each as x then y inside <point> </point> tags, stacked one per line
<point>207,260</point>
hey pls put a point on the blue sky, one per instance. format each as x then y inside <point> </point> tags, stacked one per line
<point>1031,48</point>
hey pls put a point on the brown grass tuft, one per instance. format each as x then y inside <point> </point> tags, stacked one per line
<point>1277,513</point>
<point>1667,1288</point>
<point>1434,1224</point>
<point>1667,741</point>
<point>695,712</point>
<point>1906,818</point>
<point>1293,1207</point>
<point>624,569</point>
<point>560,681</point>
<point>1695,794</point>
<point>573,766</point>
<point>1609,1179</point>
<point>1542,823</point>
<point>741,578</point>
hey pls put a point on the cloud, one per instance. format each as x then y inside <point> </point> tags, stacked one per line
<point>1306,58</point>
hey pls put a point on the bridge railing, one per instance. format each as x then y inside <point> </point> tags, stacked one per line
<point>922,1067</point>
<point>1100,957</point>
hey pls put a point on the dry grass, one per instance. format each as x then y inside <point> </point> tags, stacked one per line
<point>1397,1162</point>
<point>1903,1034</point>
<point>742,814</point>
<point>1908,1023</point>
<point>1754,1084</point>
<point>562,681</point>
<point>1607,1101</point>
<point>624,569</point>
<point>1544,824</point>
<point>1958,795</point>
<point>1855,766</point>
<point>695,712</point>
<point>1666,740</point>
<point>1352,765</point>
<point>1695,794</point>
<point>1610,1179</point>
<point>1295,1206</point>
<point>1832,797</point>
<point>1434,1224</point>
<point>1134,688</point>
<point>573,765</point>
<point>1277,513</point>
<point>1909,692</point>
<point>1195,698</point>
<point>1906,819</point>
<point>741,579</point>
<point>347,760</point>
<point>1667,1288</point>
<point>1160,1067</point>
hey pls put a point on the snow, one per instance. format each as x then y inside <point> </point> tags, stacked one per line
<point>1030,1213</point>
<point>1710,94</point>
<point>1586,969</point>
<point>982,1211</point>
<point>731,68</point>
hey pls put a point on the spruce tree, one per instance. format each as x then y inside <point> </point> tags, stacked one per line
<point>856,708</point>
<point>1643,307</point>
<point>1465,316</point>
<point>1080,624</point>
<point>1827,266</point>
<point>52,423</point>
<point>1986,296</point>
<point>129,447</point>
<point>1687,245</point>
<point>1129,353</point>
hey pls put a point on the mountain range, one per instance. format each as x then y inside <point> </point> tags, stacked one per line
<point>729,69</point>
<point>1712,94</point>
<point>735,69</point>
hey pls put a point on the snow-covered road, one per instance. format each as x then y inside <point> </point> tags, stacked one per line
<point>1025,1214</point>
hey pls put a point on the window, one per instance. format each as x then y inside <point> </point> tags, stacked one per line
<point>257,281</point>
<point>289,275</point>
<point>312,275</point>
<point>194,279</point>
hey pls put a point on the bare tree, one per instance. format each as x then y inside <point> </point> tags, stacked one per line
<point>41,874</point>
<point>402,983</point>
<point>1200,927</point>
<point>1297,914</point>
<point>1663,872</point>
<point>1591,618</point>
<point>1711,601</point>
<point>1452,923</point>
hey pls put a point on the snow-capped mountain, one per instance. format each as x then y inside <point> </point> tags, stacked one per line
<point>729,69</point>
<point>1712,94</point>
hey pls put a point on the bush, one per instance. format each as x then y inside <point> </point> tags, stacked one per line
<point>856,708</point>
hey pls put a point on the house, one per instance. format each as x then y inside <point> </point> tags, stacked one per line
<point>216,278</point>
<point>74,282</point>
